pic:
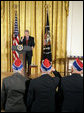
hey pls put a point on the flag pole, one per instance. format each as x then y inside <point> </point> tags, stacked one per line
<point>47,46</point>
<point>15,11</point>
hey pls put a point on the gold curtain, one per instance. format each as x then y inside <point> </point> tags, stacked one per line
<point>32,16</point>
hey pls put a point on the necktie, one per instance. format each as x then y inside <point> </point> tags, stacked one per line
<point>26,42</point>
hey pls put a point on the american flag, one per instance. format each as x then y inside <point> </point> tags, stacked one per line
<point>15,38</point>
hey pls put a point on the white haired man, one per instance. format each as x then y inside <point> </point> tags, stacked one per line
<point>73,89</point>
<point>13,90</point>
<point>42,91</point>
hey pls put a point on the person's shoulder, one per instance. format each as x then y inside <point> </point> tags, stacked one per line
<point>6,79</point>
<point>31,83</point>
<point>11,76</point>
<point>66,77</point>
<point>27,81</point>
<point>31,37</point>
<point>35,80</point>
<point>56,78</point>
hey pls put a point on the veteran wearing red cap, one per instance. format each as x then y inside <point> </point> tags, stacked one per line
<point>13,90</point>
<point>42,90</point>
<point>73,89</point>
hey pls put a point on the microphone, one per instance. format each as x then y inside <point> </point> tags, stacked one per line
<point>21,39</point>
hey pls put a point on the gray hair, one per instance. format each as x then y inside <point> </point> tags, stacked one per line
<point>15,71</point>
<point>27,30</point>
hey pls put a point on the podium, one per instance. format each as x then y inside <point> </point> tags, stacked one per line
<point>22,51</point>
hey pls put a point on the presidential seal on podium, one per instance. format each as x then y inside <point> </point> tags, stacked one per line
<point>20,47</point>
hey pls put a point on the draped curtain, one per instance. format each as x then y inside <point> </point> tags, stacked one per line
<point>32,16</point>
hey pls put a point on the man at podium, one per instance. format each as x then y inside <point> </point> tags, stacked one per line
<point>28,41</point>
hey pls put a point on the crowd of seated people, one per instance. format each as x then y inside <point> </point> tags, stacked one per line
<point>45,93</point>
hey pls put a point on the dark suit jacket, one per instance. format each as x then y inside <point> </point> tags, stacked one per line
<point>73,93</point>
<point>30,43</point>
<point>12,94</point>
<point>41,95</point>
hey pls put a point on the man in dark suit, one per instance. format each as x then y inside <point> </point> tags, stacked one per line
<point>73,89</point>
<point>13,90</point>
<point>28,41</point>
<point>42,90</point>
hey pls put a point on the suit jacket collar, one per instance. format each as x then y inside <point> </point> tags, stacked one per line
<point>45,75</point>
<point>18,75</point>
<point>25,37</point>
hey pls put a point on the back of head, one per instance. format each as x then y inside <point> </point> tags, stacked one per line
<point>77,67</point>
<point>46,66</point>
<point>17,66</point>
<point>27,31</point>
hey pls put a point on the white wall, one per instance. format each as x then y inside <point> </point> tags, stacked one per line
<point>75,29</point>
